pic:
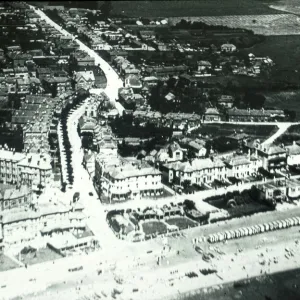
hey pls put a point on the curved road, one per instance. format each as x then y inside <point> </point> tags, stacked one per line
<point>113,80</point>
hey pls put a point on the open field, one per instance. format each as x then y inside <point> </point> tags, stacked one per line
<point>190,8</point>
<point>284,100</point>
<point>268,24</point>
<point>283,50</point>
<point>41,255</point>
<point>6,263</point>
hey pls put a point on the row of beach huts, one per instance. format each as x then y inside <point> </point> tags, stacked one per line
<point>252,230</point>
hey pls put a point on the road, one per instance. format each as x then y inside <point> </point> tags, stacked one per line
<point>113,80</point>
<point>151,278</point>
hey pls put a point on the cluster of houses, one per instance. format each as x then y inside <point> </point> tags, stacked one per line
<point>26,222</point>
<point>233,114</point>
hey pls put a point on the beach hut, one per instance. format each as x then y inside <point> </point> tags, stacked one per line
<point>253,230</point>
<point>250,231</point>
<point>274,225</point>
<point>227,235</point>
<point>221,236</point>
<point>262,228</point>
<point>279,224</point>
<point>291,221</point>
<point>246,231</point>
<point>284,225</point>
<point>296,221</point>
<point>266,226</point>
<point>257,229</point>
<point>232,233</point>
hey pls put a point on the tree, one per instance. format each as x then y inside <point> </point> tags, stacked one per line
<point>254,101</point>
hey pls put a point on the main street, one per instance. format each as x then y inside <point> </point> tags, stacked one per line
<point>113,80</point>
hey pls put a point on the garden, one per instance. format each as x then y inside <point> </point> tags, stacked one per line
<point>31,256</point>
<point>154,227</point>
<point>182,222</point>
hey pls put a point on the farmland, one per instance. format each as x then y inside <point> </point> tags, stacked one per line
<point>269,24</point>
<point>190,8</point>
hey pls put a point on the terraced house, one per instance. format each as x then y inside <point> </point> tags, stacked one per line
<point>31,169</point>
<point>198,171</point>
<point>254,115</point>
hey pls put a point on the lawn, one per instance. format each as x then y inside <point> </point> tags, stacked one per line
<point>190,8</point>
<point>41,255</point>
<point>154,227</point>
<point>6,263</point>
<point>181,222</point>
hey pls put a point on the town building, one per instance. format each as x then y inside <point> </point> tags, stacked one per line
<point>226,101</point>
<point>198,171</point>
<point>84,80</point>
<point>31,169</point>
<point>254,115</point>
<point>170,153</point>
<point>274,158</point>
<point>293,154</point>
<point>12,197</point>
<point>212,115</point>
<point>278,190</point>
<point>128,180</point>
<point>37,223</point>
<point>229,48</point>
<point>242,166</point>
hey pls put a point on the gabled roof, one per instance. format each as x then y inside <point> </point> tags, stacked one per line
<point>86,75</point>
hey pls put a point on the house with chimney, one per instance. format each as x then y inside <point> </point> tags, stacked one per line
<point>273,157</point>
<point>84,80</point>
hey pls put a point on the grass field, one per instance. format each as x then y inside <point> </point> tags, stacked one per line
<point>283,50</point>
<point>154,227</point>
<point>181,222</point>
<point>6,263</point>
<point>284,100</point>
<point>41,255</point>
<point>268,24</point>
<point>190,8</point>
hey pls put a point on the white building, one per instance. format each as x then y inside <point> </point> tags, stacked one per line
<point>27,168</point>
<point>127,180</point>
<point>21,227</point>
<point>228,48</point>
<point>242,166</point>
<point>198,171</point>
<point>293,154</point>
